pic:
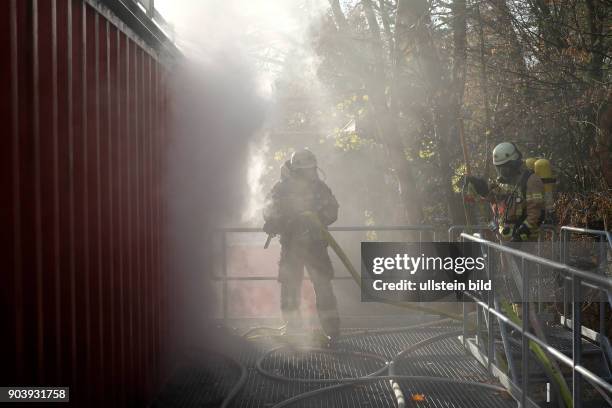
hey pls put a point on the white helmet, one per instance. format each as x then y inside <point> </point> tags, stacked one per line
<point>505,152</point>
<point>303,159</point>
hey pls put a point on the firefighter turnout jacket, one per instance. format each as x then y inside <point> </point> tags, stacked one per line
<point>519,207</point>
<point>293,196</point>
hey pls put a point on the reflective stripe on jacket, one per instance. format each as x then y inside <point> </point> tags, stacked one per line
<point>525,204</point>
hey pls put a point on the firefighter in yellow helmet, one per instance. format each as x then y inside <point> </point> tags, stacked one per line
<point>517,196</point>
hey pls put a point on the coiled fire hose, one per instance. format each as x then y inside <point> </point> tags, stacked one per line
<point>372,377</point>
<point>377,375</point>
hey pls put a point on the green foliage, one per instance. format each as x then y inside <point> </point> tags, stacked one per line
<point>350,141</point>
<point>534,73</point>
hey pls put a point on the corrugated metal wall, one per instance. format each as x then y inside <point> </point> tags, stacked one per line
<point>84,292</point>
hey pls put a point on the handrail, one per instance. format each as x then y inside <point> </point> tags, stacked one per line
<point>605,295</point>
<point>487,227</point>
<point>224,278</point>
<point>417,227</point>
<point>579,230</point>
<point>552,350</point>
<point>577,277</point>
<point>479,227</point>
<point>606,282</point>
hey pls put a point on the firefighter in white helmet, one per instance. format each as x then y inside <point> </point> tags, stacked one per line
<point>517,196</point>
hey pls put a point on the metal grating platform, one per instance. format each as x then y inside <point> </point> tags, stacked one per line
<point>203,385</point>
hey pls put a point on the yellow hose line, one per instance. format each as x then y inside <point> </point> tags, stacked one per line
<point>541,355</point>
<point>357,277</point>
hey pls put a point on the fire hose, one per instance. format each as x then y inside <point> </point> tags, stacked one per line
<point>377,375</point>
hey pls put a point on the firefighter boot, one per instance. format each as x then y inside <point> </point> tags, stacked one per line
<point>293,322</point>
<point>330,323</point>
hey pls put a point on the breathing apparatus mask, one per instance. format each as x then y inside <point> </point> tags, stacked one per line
<point>509,171</point>
<point>304,165</point>
<point>307,173</point>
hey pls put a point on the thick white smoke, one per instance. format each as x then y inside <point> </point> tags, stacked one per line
<point>258,152</point>
<point>266,39</point>
<point>222,97</point>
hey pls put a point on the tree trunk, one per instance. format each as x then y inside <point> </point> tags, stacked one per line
<point>506,29</point>
<point>414,39</point>
<point>484,86</point>
<point>382,5</point>
<point>458,80</point>
<point>595,19</point>
<point>387,128</point>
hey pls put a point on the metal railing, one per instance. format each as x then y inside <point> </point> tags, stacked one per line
<point>602,265</point>
<point>489,306</point>
<point>549,234</point>
<point>435,231</point>
<point>455,230</point>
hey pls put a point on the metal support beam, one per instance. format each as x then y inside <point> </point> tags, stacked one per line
<point>577,343</point>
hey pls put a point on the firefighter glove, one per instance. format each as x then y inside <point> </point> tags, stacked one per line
<point>270,227</point>
<point>506,232</point>
<point>522,232</point>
